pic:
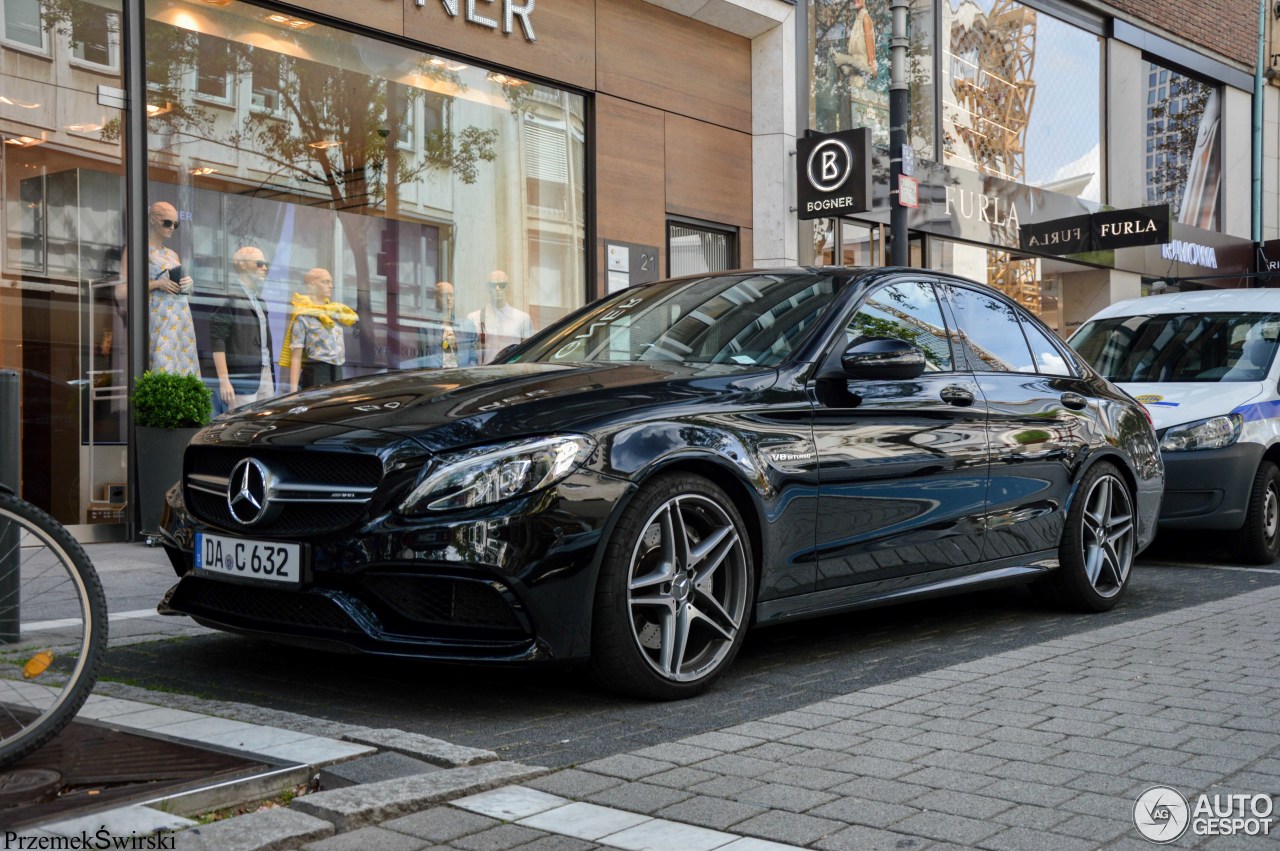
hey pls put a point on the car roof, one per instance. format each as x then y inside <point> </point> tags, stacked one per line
<point>1201,301</point>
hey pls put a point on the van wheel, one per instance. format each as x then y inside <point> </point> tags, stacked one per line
<point>1258,541</point>
<point>1099,542</point>
<point>674,595</point>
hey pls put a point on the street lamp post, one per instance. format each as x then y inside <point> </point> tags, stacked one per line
<point>898,253</point>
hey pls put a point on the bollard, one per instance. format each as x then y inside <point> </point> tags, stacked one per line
<point>10,469</point>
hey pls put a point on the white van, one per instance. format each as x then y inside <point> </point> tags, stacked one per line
<point>1204,365</point>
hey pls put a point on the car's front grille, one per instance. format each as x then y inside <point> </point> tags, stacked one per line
<point>443,600</point>
<point>303,492</point>
<point>249,606</point>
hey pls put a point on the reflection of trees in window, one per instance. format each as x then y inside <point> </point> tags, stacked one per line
<point>1182,164</point>
<point>213,67</point>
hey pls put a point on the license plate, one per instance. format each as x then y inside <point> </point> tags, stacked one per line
<point>249,561</point>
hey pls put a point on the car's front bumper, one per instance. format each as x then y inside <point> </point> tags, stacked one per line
<point>512,582</point>
<point>1209,488</point>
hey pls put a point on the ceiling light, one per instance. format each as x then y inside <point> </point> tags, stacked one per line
<point>218,2</point>
<point>287,21</point>
<point>23,141</point>
<point>203,170</point>
<point>504,79</point>
<point>324,144</point>
<point>18,103</point>
<point>155,109</point>
<point>84,128</point>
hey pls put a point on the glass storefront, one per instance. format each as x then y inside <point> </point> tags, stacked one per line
<point>1183,165</point>
<point>1021,96</point>
<point>62,328</point>
<point>321,204</point>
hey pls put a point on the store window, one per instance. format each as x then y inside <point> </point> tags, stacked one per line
<point>63,321</point>
<point>849,72</point>
<point>23,25</point>
<point>1021,96</point>
<point>696,250</point>
<point>378,207</point>
<point>1183,160</point>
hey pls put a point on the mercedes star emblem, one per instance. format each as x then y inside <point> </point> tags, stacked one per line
<point>247,488</point>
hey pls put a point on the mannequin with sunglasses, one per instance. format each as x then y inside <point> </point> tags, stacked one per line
<point>240,334</point>
<point>499,324</point>
<point>171,334</point>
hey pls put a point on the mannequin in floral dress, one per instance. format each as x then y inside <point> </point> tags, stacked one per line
<point>170,331</point>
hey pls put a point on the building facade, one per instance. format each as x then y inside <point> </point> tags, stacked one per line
<point>458,175</point>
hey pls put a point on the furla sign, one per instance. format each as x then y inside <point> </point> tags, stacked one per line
<point>478,11</point>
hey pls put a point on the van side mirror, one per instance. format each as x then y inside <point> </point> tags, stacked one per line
<point>883,360</point>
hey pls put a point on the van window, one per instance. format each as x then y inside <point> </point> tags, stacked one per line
<point>1180,347</point>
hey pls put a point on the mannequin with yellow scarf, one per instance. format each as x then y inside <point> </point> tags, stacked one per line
<point>314,350</point>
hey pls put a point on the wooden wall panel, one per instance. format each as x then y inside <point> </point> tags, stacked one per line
<point>746,249</point>
<point>630,189</point>
<point>708,171</point>
<point>565,49</point>
<point>652,56</point>
<point>381,15</point>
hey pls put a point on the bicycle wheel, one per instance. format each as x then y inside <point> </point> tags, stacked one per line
<point>53,628</point>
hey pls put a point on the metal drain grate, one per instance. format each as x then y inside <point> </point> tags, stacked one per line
<point>99,767</point>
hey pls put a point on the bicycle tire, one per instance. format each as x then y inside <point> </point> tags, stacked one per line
<point>52,612</point>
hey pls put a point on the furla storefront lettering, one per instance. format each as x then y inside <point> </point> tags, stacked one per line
<point>989,209</point>
<point>511,10</point>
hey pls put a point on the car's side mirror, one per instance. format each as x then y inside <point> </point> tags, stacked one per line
<point>883,360</point>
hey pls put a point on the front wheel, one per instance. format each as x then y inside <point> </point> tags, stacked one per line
<point>53,628</point>
<point>1258,542</point>
<point>675,591</point>
<point>1099,543</point>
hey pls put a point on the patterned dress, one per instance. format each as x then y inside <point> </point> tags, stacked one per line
<point>170,330</point>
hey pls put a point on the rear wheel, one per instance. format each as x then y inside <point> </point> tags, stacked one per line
<point>1258,541</point>
<point>1099,542</point>
<point>675,591</point>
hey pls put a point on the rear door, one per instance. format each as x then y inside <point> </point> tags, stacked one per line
<point>1039,416</point>
<point>902,463</point>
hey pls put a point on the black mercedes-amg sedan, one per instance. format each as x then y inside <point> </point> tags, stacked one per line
<point>644,480</point>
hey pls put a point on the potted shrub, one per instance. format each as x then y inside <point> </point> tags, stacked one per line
<point>168,410</point>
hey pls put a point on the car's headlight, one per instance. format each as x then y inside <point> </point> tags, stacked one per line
<point>488,474</point>
<point>1213,433</point>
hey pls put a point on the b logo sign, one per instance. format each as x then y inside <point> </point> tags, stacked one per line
<point>834,173</point>
<point>829,165</point>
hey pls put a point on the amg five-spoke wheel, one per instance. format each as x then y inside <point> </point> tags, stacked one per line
<point>1099,542</point>
<point>675,591</point>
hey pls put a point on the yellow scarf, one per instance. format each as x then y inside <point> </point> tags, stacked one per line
<point>327,313</point>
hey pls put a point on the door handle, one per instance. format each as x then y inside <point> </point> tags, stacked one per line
<point>958,396</point>
<point>1074,401</point>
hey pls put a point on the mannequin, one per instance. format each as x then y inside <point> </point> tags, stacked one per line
<point>314,349</point>
<point>498,324</point>
<point>171,335</point>
<point>241,335</point>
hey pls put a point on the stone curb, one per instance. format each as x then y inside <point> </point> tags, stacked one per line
<point>270,830</point>
<point>371,803</point>
<point>435,751</point>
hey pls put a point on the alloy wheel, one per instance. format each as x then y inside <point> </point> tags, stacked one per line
<point>1271,514</point>
<point>687,587</point>
<point>1107,535</point>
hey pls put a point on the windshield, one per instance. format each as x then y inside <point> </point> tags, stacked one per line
<point>1180,347</point>
<point>747,320</point>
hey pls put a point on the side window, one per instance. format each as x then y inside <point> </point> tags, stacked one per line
<point>906,311</point>
<point>990,333</point>
<point>1049,358</point>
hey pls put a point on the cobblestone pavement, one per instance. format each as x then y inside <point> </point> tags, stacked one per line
<point>1042,747</point>
<point>559,717</point>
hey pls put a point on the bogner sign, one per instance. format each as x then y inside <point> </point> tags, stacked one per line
<point>833,173</point>
<point>510,11</point>
<point>1104,231</point>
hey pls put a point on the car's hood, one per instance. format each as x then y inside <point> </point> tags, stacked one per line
<point>442,408</point>
<point>1172,403</point>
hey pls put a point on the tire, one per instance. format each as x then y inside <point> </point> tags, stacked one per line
<point>1098,546</point>
<point>54,617</point>
<point>1258,541</point>
<point>675,591</point>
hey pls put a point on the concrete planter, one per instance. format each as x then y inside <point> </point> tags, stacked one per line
<point>159,467</point>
